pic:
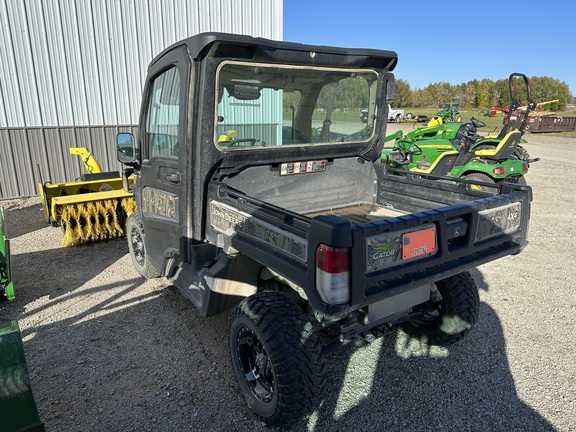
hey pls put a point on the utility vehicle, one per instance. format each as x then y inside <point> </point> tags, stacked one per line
<point>245,209</point>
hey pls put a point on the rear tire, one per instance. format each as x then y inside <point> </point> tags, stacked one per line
<point>521,180</point>
<point>276,358</point>
<point>136,245</point>
<point>480,177</point>
<point>521,153</point>
<point>453,317</point>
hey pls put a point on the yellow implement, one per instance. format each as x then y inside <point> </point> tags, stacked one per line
<point>91,209</point>
<point>90,162</point>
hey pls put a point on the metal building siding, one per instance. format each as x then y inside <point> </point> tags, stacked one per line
<point>18,97</point>
<point>73,67</point>
<point>5,69</point>
<point>60,76</point>
<point>63,59</point>
<point>72,74</point>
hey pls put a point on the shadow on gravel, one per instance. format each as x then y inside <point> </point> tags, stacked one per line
<point>138,359</point>
<point>59,271</point>
<point>141,358</point>
<point>23,220</point>
<point>416,387</point>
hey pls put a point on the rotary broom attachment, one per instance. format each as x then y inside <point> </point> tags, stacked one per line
<point>103,219</point>
<point>93,208</point>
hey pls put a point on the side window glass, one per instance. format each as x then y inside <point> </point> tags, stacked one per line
<point>163,115</point>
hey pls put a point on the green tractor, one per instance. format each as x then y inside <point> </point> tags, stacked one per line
<point>18,411</point>
<point>456,150</point>
<point>6,286</point>
<point>449,113</point>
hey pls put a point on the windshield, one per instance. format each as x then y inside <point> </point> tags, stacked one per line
<point>264,106</point>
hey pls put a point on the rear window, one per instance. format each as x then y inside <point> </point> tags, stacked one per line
<point>281,105</point>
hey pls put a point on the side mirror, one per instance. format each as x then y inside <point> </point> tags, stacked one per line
<point>125,148</point>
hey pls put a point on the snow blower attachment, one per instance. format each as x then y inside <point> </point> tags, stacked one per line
<point>93,208</point>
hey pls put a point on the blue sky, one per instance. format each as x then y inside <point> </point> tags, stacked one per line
<point>455,44</point>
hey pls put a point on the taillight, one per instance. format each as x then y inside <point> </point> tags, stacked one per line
<point>524,167</point>
<point>333,274</point>
<point>499,171</point>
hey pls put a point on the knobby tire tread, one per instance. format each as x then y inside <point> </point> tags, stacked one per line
<point>147,271</point>
<point>295,351</point>
<point>461,301</point>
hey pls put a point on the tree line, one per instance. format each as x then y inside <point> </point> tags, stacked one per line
<point>482,94</point>
<point>352,93</point>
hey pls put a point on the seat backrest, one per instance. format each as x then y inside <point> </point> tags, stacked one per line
<point>503,150</point>
<point>441,166</point>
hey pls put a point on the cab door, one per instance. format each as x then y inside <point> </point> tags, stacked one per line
<point>162,138</point>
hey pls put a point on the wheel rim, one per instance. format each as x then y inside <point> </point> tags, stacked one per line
<point>137,246</point>
<point>255,365</point>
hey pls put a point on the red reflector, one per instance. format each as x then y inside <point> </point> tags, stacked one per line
<point>332,260</point>
<point>524,167</point>
<point>498,171</point>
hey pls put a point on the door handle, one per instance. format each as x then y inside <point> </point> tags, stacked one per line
<point>173,177</point>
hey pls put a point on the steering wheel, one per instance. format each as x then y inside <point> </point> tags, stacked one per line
<point>408,149</point>
<point>477,123</point>
<point>237,142</point>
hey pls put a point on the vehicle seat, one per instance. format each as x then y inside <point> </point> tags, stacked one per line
<point>441,166</point>
<point>503,150</point>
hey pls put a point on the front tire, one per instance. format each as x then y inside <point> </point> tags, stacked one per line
<point>450,319</point>
<point>276,358</point>
<point>136,245</point>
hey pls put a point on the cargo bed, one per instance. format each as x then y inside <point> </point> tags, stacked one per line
<point>360,213</point>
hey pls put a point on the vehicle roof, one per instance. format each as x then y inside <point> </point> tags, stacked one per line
<point>199,45</point>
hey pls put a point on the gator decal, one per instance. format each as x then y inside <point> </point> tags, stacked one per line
<point>230,222</point>
<point>159,204</point>
<point>499,220</point>
<point>389,249</point>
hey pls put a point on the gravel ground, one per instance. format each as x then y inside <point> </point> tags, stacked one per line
<point>108,351</point>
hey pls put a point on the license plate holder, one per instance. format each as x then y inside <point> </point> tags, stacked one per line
<point>417,244</point>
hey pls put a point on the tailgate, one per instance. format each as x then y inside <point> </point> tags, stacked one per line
<point>394,255</point>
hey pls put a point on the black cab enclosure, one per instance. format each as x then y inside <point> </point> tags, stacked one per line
<point>260,188</point>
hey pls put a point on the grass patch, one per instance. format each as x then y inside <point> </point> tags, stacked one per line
<point>492,123</point>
